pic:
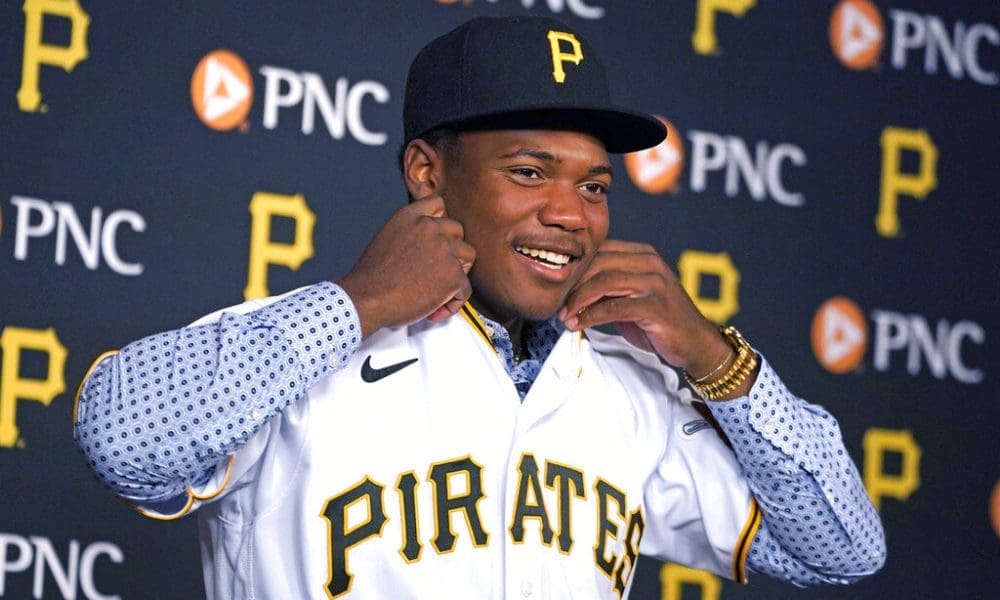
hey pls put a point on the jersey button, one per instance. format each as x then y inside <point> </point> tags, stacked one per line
<point>334,361</point>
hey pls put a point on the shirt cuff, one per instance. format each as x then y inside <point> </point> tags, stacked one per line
<point>767,427</point>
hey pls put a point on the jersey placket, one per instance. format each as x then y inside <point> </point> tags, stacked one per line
<point>553,374</point>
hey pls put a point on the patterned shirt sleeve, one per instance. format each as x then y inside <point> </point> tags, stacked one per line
<point>818,524</point>
<point>159,416</point>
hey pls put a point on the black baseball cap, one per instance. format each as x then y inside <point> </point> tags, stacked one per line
<point>519,73</point>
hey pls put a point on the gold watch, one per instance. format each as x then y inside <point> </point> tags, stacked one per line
<point>744,365</point>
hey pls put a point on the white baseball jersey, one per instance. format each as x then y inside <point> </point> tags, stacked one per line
<point>417,472</point>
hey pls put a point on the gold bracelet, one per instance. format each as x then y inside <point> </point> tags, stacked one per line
<point>725,360</point>
<point>741,369</point>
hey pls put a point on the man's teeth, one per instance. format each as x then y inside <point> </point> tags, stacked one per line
<point>557,260</point>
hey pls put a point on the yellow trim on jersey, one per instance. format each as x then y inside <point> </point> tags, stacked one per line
<point>86,376</point>
<point>744,541</point>
<point>472,317</point>
<point>578,352</point>
<point>192,496</point>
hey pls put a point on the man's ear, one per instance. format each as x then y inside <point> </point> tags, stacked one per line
<point>423,169</point>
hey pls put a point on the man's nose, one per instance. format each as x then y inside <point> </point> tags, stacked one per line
<point>563,208</point>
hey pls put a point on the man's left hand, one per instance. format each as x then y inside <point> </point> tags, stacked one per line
<point>630,285</point>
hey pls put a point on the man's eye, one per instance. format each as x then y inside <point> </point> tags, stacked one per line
<point>526,172</point>
<point>596,188</point>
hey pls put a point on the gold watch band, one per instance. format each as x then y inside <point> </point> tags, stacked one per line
<point>744,365</point>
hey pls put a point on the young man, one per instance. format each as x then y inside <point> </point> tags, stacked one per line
<point>443,422</point>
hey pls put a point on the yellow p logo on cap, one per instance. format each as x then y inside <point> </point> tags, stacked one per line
<point>559,57</point>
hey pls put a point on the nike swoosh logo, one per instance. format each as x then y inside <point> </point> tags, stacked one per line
<point>370,374</point>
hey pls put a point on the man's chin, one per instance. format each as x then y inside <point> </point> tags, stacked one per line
<point>539,315</point>
<point>524,311</point>
<point>540,311</point>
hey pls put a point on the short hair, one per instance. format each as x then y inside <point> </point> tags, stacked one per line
<point>443,139</point>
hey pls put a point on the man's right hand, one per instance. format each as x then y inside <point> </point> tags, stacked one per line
<point>415,267</point>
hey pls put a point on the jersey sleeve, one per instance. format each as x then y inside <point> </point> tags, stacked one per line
<point>818,524</point>
<point>700,512</point>
<point>159,421</point>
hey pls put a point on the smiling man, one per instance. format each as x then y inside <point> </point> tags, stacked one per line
<point>444,421</point>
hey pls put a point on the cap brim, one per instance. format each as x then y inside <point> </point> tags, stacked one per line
<point>621,130</point>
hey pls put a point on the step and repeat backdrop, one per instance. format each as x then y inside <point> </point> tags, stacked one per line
<point>829,184</point>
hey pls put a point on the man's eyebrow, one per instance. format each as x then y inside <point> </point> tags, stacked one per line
<point>539,154</point>
<point>601,170</point>
<point>549,157</point>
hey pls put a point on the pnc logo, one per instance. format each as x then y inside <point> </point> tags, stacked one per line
<point>94,239</point>
<point>839,335</point>
<point>740,167</point>
<point>656,170</point>
<point>857,33</point>
<point>36,562</point>
<point>222,93</point>
<point>578,8</point>
<point>222,90</point>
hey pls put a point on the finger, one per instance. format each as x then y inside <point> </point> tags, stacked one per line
<point>577,297</point>
<point>622,257</point>
<point>446,310</point>
<point>627,257</point>
<point>626,309</point>
<point>440,313</point>
<point>449,227</point>
<point>453,305</point>
<point>466,255</point>
<point>615,255</point>
<point>623,246</point>
<point>612,284</point>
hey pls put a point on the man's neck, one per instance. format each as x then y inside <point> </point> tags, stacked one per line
<point>515,328</point>
<point>513,324</point>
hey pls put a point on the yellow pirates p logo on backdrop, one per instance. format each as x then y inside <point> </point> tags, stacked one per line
<point>38,53</point>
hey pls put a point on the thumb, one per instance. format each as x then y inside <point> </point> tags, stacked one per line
<point>431,205</point>
<point>446,310</point>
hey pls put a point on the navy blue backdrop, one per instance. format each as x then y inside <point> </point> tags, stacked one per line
<point>829,185</point>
